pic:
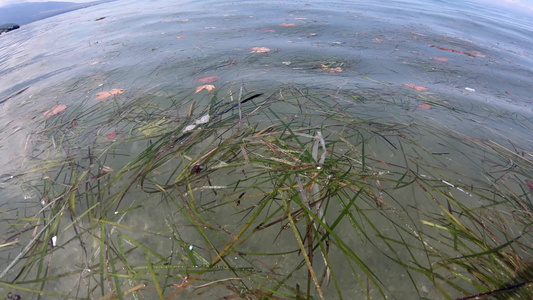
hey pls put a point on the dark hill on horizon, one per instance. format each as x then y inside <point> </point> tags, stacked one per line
<point>28,12</point>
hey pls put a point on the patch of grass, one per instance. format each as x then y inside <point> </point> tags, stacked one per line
<point>300,193</point>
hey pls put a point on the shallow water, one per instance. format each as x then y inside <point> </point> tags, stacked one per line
<point>157,51</point>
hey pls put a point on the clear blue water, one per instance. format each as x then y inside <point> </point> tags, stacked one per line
<point>161,47</point>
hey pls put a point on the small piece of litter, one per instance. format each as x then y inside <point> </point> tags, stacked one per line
<point>189,128</point>
<point>470,89</point>
<point>204,119</point>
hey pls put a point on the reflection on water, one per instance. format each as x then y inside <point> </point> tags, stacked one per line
<point>423,109</point>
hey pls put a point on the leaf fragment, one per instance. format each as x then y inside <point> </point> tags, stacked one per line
<point>208,87</point>
<point>113,135</point>
<point>424,106</point>
<point>107,169</point>
<point>331,70</point>
<point>113,92</point>
<point>416,87</point>
<point>55,110</point>
<point>207,79</point>
<point>529,184</point>
<point>259,50</point>
<point>287,24</point>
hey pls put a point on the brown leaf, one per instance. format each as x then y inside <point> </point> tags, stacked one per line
<point>259,50</point>
<point>55,110</point>
<point>208,87</point>
<point>269,30</point>
<point>424,106</point>
<point>439,58</point>
<point>416,87</point>
<point>287,24</point>
<point>113,92</point>
<point>207,79</point>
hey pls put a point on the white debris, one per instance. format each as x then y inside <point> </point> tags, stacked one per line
<point>204,119</point>
<point>470,89</point>
<point>189,128</point>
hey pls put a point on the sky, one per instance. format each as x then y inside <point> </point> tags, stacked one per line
<point>8,2</point>
<point>525,6</point>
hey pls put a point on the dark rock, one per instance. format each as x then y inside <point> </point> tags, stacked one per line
<point>8,27</point>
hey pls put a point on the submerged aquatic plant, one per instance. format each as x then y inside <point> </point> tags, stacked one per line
<point>298,193</point>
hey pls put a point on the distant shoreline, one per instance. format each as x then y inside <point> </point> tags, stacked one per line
<point>28,12</point>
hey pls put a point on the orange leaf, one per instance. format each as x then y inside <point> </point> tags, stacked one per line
<point>331,70</point>
<point>113,92</point>
<point>439,58</point>
<point>259,50</point>
<point>55,110</point>
<point>287,24</point>
<point>416,87</point>
<point>208,87</point>
<point>269,30</point>
<point>207,79</point>
<point>424,106</point>
<point>180,36</point>
<point>113,135</point>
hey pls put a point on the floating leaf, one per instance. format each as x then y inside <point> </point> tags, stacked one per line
<point>416,87</point>
<point>180,36</point>
<point>113,135</point>
<point>113,92</point>
<point>287,24</point>
<point>424,106</point>
<point>269,30</point>
<point>529,185</point>
<point>259,50</point>
<point>208,87</point>
<point>439,58</point>
<point>207,79</point>
<point>416,33</point>
<point>417,53</point>
<point>107,169</point>
<point>331,70</point>
<point>453,50</point>
<point>55,110</point>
